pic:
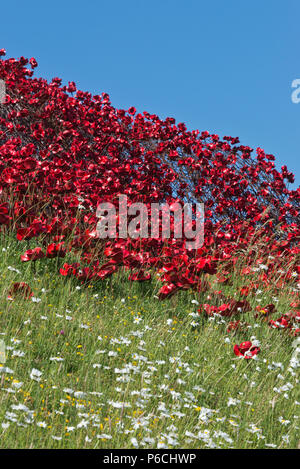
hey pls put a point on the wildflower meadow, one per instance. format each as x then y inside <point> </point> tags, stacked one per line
<point>141,342</point>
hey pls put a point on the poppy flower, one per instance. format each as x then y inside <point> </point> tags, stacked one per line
<point>281,323</point>
<point>55,250</point>
<point>69,269</point>
<point>246,350</point>
<point>86,274</point>
<point>140,276</point>
<point>4,216</point>
<point>33,62</point>
<point>265,311</point>
<point>234,326</point>
<point>20,288</point>
<point>167,291</point>
<point>32,255</point>
<point>71,88</point>
<point>294,332</point>
<point>285,321</point>
<point>245,291</point>
<point>25,233</point>
<point>207,266</point>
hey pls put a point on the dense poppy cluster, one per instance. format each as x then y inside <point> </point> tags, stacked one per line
<point>64,151</point>
<point>289,321</point>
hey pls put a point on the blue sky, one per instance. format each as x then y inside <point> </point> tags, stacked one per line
<point>225,67</point>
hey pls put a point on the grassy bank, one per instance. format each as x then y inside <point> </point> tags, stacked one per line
<point>111,366</point>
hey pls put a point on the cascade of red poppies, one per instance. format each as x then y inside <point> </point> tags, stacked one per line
<point>63,151</point>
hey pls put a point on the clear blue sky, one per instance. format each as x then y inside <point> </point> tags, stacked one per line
<point>221,66</point>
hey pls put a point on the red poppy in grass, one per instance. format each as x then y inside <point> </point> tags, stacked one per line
<point>246,270</point>
<point>115,254</point>
<point>208,309</point>
<point>294,332</point>
<point>32,255</point>
<point>265,311</point>
<point>206,266</point>
<point>245,291</point>
<point>69,269</point>
<point>223,279</point>
<point>86,274</point>
<point>167,291</point>
<point>55,250</point>
<point>281,323</point>
<point>20,288</point>
<point>25,233</point>
<point>4,217</point>
<point>225,310</point>
<point>107,271</point>
<point>246,350</point>
<point>239,306</point>
<point>139,276</point>
<point>234,326</point>
<point>36,227</point>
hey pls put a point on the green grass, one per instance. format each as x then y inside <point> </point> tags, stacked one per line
<point>176,381</point>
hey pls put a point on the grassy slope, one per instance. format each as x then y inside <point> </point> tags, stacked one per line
<point>179,378</point>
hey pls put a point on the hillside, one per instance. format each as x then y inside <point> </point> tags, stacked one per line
<point>141,342</point>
